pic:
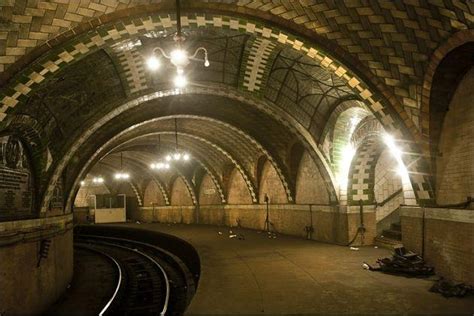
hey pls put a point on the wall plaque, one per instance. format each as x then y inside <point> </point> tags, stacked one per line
<point>16,185</point>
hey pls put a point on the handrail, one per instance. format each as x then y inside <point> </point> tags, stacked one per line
<point>391,196</point>
<point>461,205</point>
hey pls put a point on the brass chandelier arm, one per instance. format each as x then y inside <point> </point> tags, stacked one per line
<point>161,51</point>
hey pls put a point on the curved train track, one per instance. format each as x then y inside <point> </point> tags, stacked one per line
<point>150,281</point>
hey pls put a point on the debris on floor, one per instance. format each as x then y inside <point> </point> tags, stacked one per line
<point>451,289</point>
<point>354,248</point>
<point>271,235</point>
<point>220,233</point>
<point>232,236</point>
<point>403,262</point>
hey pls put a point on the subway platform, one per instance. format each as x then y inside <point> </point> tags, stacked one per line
<point>287,275</point>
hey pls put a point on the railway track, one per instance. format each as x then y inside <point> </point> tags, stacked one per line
<point>150,281</point>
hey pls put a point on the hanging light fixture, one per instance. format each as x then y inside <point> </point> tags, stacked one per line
<point>179,57</point>
<point>159,165</point>
<point>98,180</point>
<point>121,175</point>
<point>177,155</point>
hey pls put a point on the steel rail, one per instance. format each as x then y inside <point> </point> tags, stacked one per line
<point>167,283</point>
<point>119,283</point>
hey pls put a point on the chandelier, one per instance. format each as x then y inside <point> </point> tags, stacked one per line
<point>177,155</point>
<point>121,175</point>
<point>179,57</point>
<point>159,165</point>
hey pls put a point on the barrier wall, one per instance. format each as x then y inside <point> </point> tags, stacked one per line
<point>445,237</point>
<point>26,287</point>
<point>330,223</point>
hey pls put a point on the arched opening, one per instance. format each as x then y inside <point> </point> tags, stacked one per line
<point>455,152</point>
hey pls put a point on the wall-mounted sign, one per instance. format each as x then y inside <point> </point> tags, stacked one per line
<point>16,183</point>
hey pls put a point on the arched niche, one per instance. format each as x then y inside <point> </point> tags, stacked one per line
<point>180,194</point>
<point>310,185</point>
<point>153,195</point>
<point>455,159</point>
<point>238,192</point>
<point>271,185</point>
<point>208,193</point>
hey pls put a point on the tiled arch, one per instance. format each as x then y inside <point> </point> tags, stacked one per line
<point>362,171</point>
<point>458,39</point>
<point>94,40</point>
<point>242,170</point>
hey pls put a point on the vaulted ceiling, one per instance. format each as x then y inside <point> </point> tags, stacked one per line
<point>75,86</point>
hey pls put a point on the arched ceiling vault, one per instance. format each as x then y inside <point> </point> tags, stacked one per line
<point>301,82</point>
<point>241,148</point>
<point>198,135</point>
<point>144,147</point>
<point>390,38</point>
<point>263,128</point>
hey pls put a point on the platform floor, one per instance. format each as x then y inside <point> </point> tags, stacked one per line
<point>289,275</point>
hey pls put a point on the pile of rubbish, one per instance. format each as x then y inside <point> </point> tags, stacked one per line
<point>450,289</point>
<point>232,234</point>
<point>403,262</point>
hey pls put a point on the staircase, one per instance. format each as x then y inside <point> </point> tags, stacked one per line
<point>390,237</point>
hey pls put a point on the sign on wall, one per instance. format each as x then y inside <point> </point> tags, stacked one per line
<point>56,204</point>
<point>16,181</point>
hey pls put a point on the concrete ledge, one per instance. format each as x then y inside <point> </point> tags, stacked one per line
<point>35,223</point>
<point>295,207</point>
<point>444,214</point>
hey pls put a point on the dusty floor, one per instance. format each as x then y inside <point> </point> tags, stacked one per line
<point>288,275</point>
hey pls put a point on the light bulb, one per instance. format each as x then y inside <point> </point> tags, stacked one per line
<point>186,157</point>
<point>153,63</point>
<point>179,58</point>
<point>83,183</point>
<point>152,166</point>
<point>180,81</point>
<point>177,156</point>
<point>168,158</point>
<point>167,166</point>
<point>206,63</point>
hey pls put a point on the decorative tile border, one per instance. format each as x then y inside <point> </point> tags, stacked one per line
<point>256,63</point>
<point>131,63</point>
<point>137,193</point>
<point>362,172</point>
